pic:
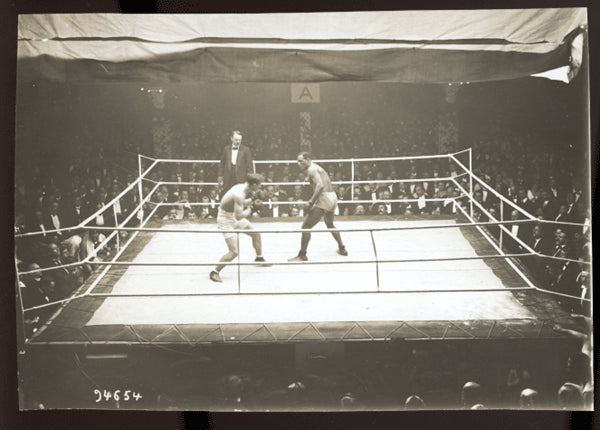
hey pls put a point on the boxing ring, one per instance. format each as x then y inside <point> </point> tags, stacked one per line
<point>409,276</point>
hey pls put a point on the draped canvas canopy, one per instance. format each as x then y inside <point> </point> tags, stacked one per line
<point>399,46</point>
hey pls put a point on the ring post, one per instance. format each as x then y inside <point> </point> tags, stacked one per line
<point>117,224</point>
<point>502,221</point>
<point>238,265</point>
<point>21,306</point>
<point>376,258</point>
<point>352,187</point>
<point>140,186</point>
<point>471,180</point>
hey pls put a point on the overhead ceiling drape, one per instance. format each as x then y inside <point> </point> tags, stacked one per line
<point>398,46</point>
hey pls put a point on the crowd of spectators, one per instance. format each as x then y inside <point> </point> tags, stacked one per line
<point>541,184</point>
<point>426,377</point>
<point>241,393</point>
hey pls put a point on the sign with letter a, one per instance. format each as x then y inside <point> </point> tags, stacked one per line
<point>306,93</point>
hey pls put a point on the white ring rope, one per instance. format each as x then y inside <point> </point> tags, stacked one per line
<point>497,194</point>
<point>480,206</point>
<point>300,202</point>
<point>520,273</point>
<point>332,160</point>
<point>373,181</point>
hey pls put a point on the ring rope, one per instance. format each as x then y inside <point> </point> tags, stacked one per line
<point>296,293</point>
<point>297,202</point>
<point>508,260</point>
<point>496,193</point>
<point>480,206</point>
<point>527,279</point>
<point>311,263</point>
<point>373,181</point>
<point>333,160</point>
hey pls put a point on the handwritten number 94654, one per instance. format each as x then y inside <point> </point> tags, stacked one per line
<point>116,395</point>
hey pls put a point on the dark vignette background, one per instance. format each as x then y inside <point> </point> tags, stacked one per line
<point>10,418</point>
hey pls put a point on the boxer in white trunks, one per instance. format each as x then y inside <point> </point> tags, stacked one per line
<point>233,214</point>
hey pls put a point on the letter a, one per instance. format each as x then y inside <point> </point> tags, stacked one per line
<point>305,92</point>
